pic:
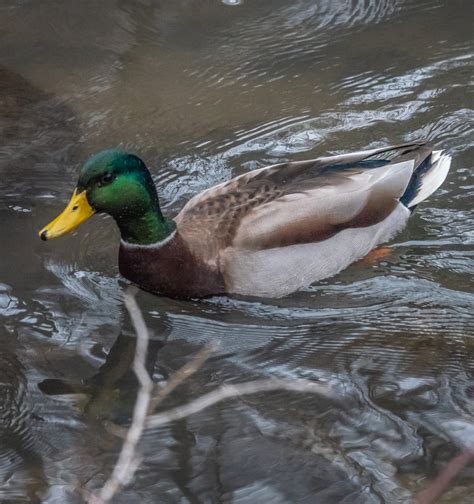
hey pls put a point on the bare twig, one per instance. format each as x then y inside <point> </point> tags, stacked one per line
<point>228,391</point>
<point>128,461</point>
<point>146,403</point>
<point>442,482</point>
<point>175,379</point>
<point>182,374</point>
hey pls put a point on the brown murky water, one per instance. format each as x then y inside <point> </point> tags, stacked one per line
<point>203,91</point>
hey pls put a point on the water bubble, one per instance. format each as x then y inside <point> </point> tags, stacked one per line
<point>232,2</point>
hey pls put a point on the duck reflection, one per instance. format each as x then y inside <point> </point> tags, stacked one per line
<point>109,394</point>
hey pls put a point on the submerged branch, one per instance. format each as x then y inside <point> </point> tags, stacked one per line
<point>181,375</point>
<point>128,460</point>
<point>229,391</point>
<point>147,401</point>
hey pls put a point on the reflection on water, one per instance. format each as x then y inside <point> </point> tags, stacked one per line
<point>204,91</point>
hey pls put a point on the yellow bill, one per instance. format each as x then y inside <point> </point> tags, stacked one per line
<point>77,211</point>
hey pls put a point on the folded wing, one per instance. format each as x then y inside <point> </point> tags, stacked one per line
<point>300,202</point>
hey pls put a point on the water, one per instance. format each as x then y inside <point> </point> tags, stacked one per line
<point>203,91</point>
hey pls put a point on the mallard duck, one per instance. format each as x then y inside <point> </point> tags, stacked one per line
<point>268,232</point>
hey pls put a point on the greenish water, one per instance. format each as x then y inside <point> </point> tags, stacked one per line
<point>204,91</point>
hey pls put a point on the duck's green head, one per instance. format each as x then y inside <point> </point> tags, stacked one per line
<point>119,184</point>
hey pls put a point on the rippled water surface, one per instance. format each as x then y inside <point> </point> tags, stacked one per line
<point>203,91</point>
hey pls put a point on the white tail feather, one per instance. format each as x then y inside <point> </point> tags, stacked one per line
<point>433,178</point>
<point>435,155</point>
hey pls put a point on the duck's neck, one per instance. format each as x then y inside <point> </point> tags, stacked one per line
<point>145,229</point>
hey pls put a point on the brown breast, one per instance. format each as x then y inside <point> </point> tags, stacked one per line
<point>169,269</point>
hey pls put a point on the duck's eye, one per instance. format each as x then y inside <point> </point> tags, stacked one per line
<point>105,179</point>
